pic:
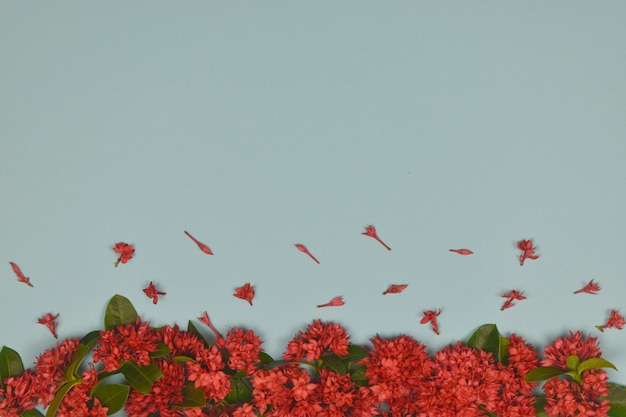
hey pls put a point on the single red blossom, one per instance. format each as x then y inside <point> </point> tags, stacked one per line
<point>204,248</point>
<point>206,320</point>
<point>462,251</point>
<point>371,232</point>
<point>335,302</point>
<point>395,289</point>
<point>615,320</point>
<point>126,252</point>
<point>50,321</point>
<point>246,292</point>
<point>528,251</point>
<point>303,249</point>
<point>20,276</point>
<point>507,304</point>
<point>431,316</point>
<point>590,288</point>
<point>152,292</point>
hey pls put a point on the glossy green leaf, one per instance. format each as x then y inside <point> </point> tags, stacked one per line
<point>10,363</point>
<point>575,376</point>
<point>31,413</point>
<point>241,390</point>
<point>486,338</point>
<point>78,357</point>
<point>540,403</point>
<point>191,328</point>
<point>543,374</point>
<point>355,354</point>
<point>113,396</point>
<point>265,358</point>
<point>617,394</point>
<point>58,397</point>
<point>182,358</point>
<point>162,350</point>
<point>119,311</point>
<point>358,376</point>
<point>90,338</point>
<point>335,363</point>
<point>192,397</point>
<point>594,363</point>
<point>617,410</point>
<point>572,362</point>
<point>141,378</point>
<point>503,349</point>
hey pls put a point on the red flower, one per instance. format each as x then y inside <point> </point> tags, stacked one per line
<point>528,251</point>
<point>394,289</point>
<point>50,321</point>
<point>126,252</point>
<point>462,251</point>
<point>335,302</point>
<point>557,353</point>
<point>590,288</point>
<point>431,316</point>
<point>153,292</point>
<point>371,232</point>
<point>204,248</point>
<point>20,276</point>
<point>246,292</point>
<point>303,248</point>
<point>206,320</point>
<point>615,320</point>
<point>510,296</point>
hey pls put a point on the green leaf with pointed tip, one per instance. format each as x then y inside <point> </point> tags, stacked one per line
<point>113,396</point>
<point>265,358</point>
<point>333,362</point>
<point>191,328</point>
<point>572,362</point>
<point>358,376</point>
<point>486,338</point>
<point>78,357</point>
<point>503,351</point>
<point>575,377</point>
<point>540,403</point>
<point>241,391</point>
<point>119,311</point>
<point>543,374</point>
<point>10,363</point>
<point>58,397</point>
<point>192,397</point>
<point>141,378</point>
<point>182,358</point>
<point>90,338</point>
<point>355,354</point>
<point>594,363</point>
<point>31,413</point>
<point>162,350</point>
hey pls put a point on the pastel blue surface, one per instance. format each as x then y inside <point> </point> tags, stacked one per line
<point>259,125</point>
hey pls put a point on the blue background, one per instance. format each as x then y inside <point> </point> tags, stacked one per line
<point>259,125</point>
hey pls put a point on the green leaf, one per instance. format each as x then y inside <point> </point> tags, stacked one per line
<point>543,374</point>
<point>90,338</point>
<point>58,397</point>
<point>191,328</point>
<point>265,358</point>
<point>31,413</point>
<point>575,376</point>
<point>355,354</point>
<point>119,312</point>
<point>540,403</point>
<point>503,351</point>
<point>162,350</point>
<point>113,396</point>
<point>241,390</point>
<point>358,376</point>
<point>594,363</point>
<point>617,394</point>
<point>78,357</point>
<point>141,378</point>
<point>486,338</point>
<point>10,363</point>
<point>617,410</point>
<point>572,362</point>
<point>192,397</point>
<point>335,363</point>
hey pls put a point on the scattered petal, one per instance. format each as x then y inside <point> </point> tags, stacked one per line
<point>204,248</point>
<point>20,276</point>
<point>335,302</point>
<point>50,321</point>
<point>126,252</point>
<point>528,251</point>
<point>246,292</point>
<point>152,292</point>
<point>590,288</point>
<point>431,317</point>
<point>615,320</point>
<point>371,232</point>
<point>303,248</point>
<point>395,289</point>
<point>511,296</point>
<point>462,251</point>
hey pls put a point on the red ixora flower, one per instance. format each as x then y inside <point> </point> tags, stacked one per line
<point>590,288</point>
<point>371,232</point>
<point>335,302</point>
<point>431,316</point>
<point>246,292</point>
<point>394,289</point>
<point>462,251</point>
<point>204,248</point>
<point>303,249</point>
<point>615,320</point>
<point>511,296</point>
<point>20,276</point>
<point>50,321</point>
<point>152,292</point>
<point>126,252</point>
<point>206,320</point>
<point>528,251</point>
